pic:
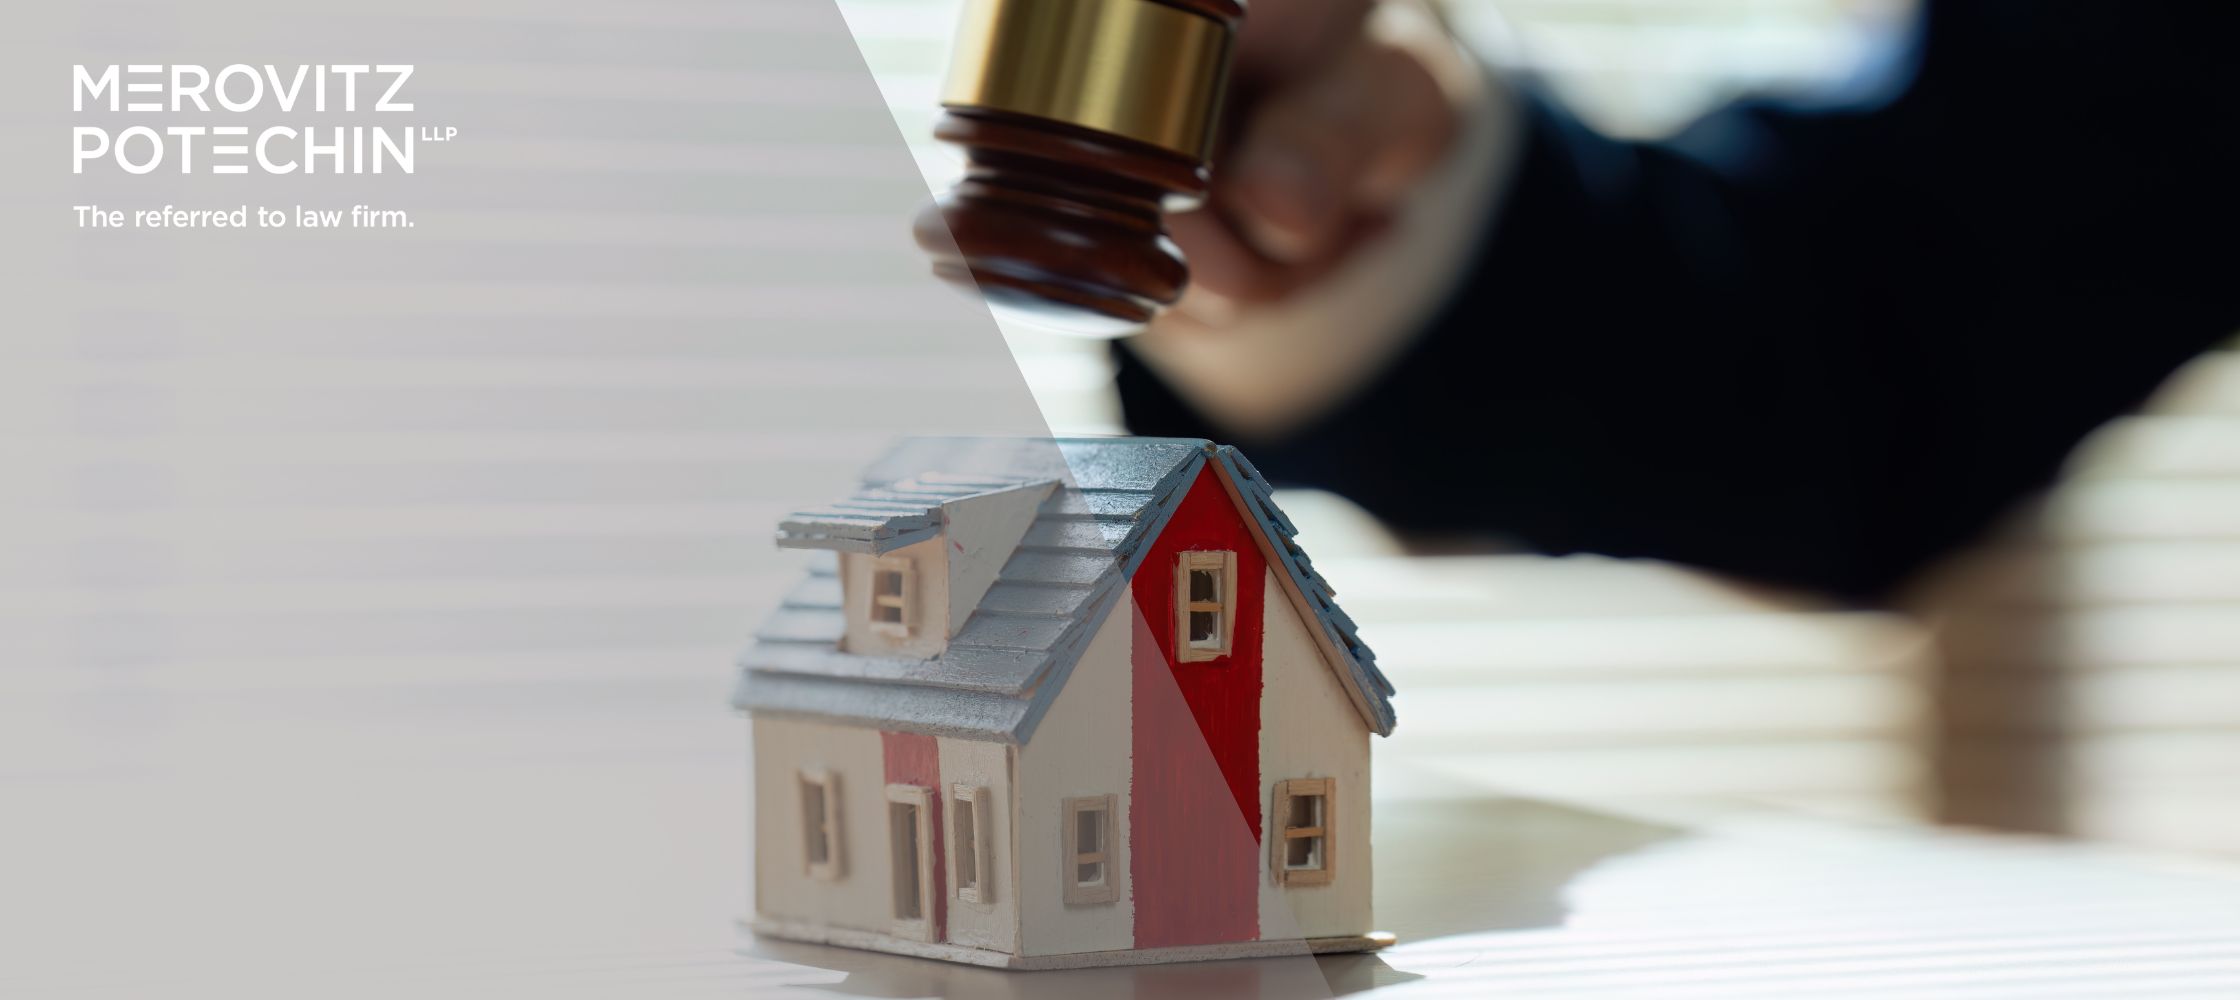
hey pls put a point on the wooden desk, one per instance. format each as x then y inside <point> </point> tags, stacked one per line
<point>587,838</point>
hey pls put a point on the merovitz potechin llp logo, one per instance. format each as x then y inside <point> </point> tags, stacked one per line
<point>241,89</point>
<point>175,90</point>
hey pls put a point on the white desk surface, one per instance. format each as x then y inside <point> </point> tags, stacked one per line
<point>587,838</point>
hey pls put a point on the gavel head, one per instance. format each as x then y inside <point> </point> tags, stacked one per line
<point>1083,122</point>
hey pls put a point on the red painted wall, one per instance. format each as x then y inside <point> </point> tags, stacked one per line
<point>1194,828</point>
<point>914,759</point>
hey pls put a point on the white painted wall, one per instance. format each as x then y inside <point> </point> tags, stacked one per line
<point>929,624</point>
<point>1081,748</point>
<point>1310,729</point>
<point>994,924</point>
<point>862,897</point>
<point>982,531</point>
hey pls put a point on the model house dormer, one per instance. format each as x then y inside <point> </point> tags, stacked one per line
<point>916,555</point>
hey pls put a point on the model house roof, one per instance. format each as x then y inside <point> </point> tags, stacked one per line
<point>883,517</point>
<point>1107,499</point>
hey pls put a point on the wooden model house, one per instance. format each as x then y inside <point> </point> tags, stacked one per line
<point>1047,704</point>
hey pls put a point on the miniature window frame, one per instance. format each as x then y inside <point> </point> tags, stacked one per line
<point>903,602</point>
<point>820,823</point>
<point>1107,888</point>
<point>970,844</point>
<point>1320,833</point>
<point>1223,605</point>
<point>920,927</point>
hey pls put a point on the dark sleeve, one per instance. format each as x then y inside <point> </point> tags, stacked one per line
<point>1817,346</point>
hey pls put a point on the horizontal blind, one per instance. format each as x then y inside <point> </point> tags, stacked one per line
<point>2095,648</point>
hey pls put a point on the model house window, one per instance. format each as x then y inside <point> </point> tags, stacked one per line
<point>820,823</point>
<point>893,591</point>
<point>1302,853</point>
<point>969,846</point>
<point>1089,856</point>
<point>1205,597</point>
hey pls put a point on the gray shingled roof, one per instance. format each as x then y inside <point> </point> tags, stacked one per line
<point>1361,663</point>
<point>883,517</point>
<point>1004,667</point>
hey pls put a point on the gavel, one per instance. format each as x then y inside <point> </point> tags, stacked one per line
<point>1083,123</point>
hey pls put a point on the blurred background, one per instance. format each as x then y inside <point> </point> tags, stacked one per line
<point>2077,674</point>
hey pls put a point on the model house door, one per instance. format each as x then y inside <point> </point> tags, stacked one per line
<point>910,839</point>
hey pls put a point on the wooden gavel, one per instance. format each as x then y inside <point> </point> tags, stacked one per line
<point>1083,123</point>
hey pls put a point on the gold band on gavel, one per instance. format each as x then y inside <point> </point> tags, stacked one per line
<point>1132,68</point>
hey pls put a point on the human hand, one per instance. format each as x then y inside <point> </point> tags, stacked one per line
<point>1336,108</point>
